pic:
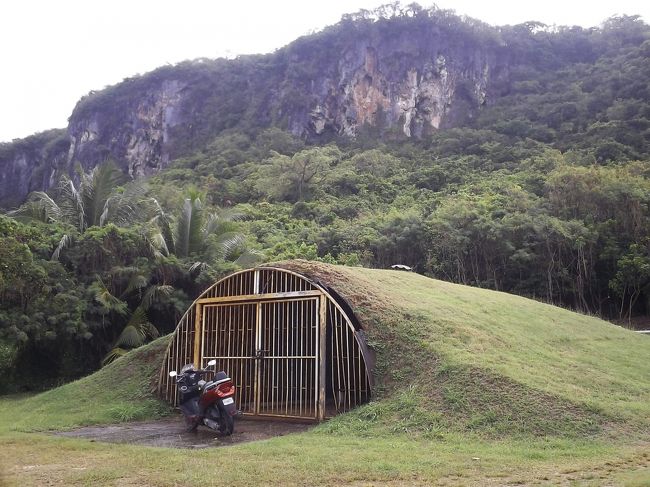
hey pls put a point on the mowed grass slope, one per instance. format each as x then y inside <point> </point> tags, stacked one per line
<point>495,361</point>
<point>473,387</point>
<point>121,391</point>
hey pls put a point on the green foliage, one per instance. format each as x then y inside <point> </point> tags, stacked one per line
<point>284,178</point>
<point>119,392</point>
<point>114,282</point>
<point>544,191</point>
<point>632,276</point>
<point>94,201</point>
<point>474,206</point>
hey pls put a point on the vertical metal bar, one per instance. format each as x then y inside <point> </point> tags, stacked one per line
<point>271,367</point>
<point>312,364</point>
<point>258,346</point>
<point>197,336</point>
<point>268,363</point>
<point>286,360</point>
<point>301,381</point>
<point>295,323</point>
<point>211,332</point>
<point>267,383</point>
<point>256,282</point>
<point>290,311</point>
<point>231,309</point>
<point>339,362</point>
<point>349,366</point>
<point>358,386</point>
<point>219,323</point>
<point>331,325</point>
<point>322,336</point>
<point>240,377</point>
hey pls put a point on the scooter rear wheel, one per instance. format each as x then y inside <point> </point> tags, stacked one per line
<point>190,424</point>
<point>226,425</point>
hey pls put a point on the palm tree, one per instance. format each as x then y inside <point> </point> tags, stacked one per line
<point>138,329</point>
<point>200,234</point>
<point>95,201</point>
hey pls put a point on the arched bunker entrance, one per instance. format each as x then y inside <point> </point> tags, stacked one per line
<point>292,346</point>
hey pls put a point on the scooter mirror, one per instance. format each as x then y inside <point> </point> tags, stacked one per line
<point>212,362</point>
<point>173,373</point>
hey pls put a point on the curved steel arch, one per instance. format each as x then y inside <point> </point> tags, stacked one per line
<point>292,348</point>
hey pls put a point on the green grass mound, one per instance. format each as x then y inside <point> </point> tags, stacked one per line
<point>122,391</point>
<point>453,358</point>
<point>450,359</point>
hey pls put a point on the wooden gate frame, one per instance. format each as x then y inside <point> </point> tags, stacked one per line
<point>194,333</point>
<point>271,297</point>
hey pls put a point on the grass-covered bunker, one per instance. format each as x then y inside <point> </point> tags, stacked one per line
<point>292,345</point>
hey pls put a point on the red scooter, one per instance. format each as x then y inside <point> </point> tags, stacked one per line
<point>210,403</point>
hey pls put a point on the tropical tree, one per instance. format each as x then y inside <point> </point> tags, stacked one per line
<point>293,178</point>
<point>138,328</point>
<point>201,234</point>
<point>125,285</point>
<point>632,277</point>
<point>97,199</point>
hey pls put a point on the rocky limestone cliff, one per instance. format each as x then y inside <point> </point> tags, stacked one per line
<point>139,138</point>
<point>407,82</point>
<point>31,164</point>
<point>403,76</point>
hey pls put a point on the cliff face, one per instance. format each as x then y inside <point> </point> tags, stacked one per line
<point>31,164</point>
<point>411,81</point>
<point>138,137</point>
<point>402,77</point>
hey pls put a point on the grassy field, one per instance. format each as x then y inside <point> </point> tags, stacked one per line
<point>474,388</point>
<point>124,391</point>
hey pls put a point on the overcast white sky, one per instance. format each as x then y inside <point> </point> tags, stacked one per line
<point>53,52</point>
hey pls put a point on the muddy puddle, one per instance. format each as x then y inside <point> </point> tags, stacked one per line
<point>170,432</point>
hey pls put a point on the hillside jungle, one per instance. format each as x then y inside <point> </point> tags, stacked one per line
<point>544,194</point>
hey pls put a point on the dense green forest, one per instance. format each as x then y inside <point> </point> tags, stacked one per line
<point>544,194</point>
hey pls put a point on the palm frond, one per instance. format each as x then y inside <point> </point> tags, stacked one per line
<point>138,317</point>
<point>104,297</point>
<point>137,331</point>
<point>222,220</point>
<point>227,243</point>
<point>113,355</point>
<point>39,206</point>
<point>132,336</point>
<point>198,267</point>
<point>128,205</point>
<point>189,229</point>
<point>154,241</point>
<point>155,294</point>
<point>72,204</point>
<point>182,239</point>
<point>164,222</point>
<point>196,233</point>
<point>150,331</point>
<point>64,243</point>
<point>249,258</point>
<point>159,242</point>
<point>138,281</point>
<point>98,188</point>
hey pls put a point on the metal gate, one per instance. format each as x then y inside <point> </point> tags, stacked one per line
<point>271,349</point>
<point>291,349</point>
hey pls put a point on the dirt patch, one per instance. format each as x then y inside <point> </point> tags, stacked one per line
<point>170,432</point>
